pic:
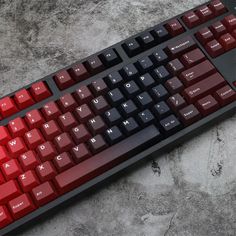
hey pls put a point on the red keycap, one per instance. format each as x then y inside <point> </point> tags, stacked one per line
<point>176,102</point>
<point>79,72</point>
<point>204,36</point>
<point>5,217</point>
<point>23,99</point>
<point>204,87</point>
<point>227,41</point>
<point>21,206</point>
<point>45,171</point>
<point>67,121</point>
<point>11,169</point>
<point>67,103</point>
<point>4,155</point>
<point>28,180</point>
<point>204,13</point>
<point>217,7</point>
<point>230,22</point>
<point>16,147</point>
<point>225,95</point>
<point>80,153</point>
<point>46,151</point>
<point>4,135</point>
<point>51,111</point>
<point>63,143</point>
<point>207,105</point>
<point>29,160</point>
<point>34,119</point>
<point>197,73</point>
<point>2,180</point>
<point>63,80</point>
<point>191,19</point>
<point>218,29</point>
<point>63,162</point>
<point>8,191</point>
<point>80,134</point>
<point>83,95</point>
<point>193,58</point>
<point>214,48</point>
<point>189,115</point>
<point>50,130</point>
<point>40,91</point>
<point>43,193</point>
<point>83,113</point>
<point>33,138</point>
<point>17,127</point>
<point>174,27</point>
<point>7,107</point>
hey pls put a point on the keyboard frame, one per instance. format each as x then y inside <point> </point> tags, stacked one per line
<point>227,70</point>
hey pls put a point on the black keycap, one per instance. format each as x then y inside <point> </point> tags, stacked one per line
<point>96,125</point>
<point>170,125</point>
<point>99,105</point>
<point>97,144</point>
<point>129,126</point>
<point>112,117</point>
<point>132,47</point>
<point>161,74</point>
<point>145,64</point>
<point>175,67</point>
<point>94,65</point>
<point>113,135</point>
<point>144,100</point>
<point>114,79</point>
<point>115,97</point>
<point>110,57</point>
<point>128,108</point>
<point>129,71</point>
<point>161,110</point>
<point>159,93</point>
<point>159,57</point>
<point>146,81</point>
<point>145,118</point>
<point>131,89</point>
<point>160,33</point>
<point>99,87</point>
<point>146,40</point>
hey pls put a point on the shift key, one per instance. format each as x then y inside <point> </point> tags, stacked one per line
<point>203,88</point>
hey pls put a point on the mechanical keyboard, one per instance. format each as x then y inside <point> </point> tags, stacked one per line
<point>81,125</point>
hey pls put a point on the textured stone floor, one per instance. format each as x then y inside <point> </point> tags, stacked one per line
<point>189,191</point>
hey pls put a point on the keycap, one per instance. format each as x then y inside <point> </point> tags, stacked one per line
<point>114,79</point>
<point>113,135</point>
<point>28,180</point>
<point>29,160</point>
<point>83,113</point>
<point>161,74</point>
<point>34,119</point>
<point>225,95</point>
<point>159,57</point>
<point>63,142</point>
<point>170,125</point>
<point>145,64</point>
<point>129,126</point>
<point>94,65</point>
<point>92,167</point>
<point>176,102</point>
<point>146,40</point>
<point>4,135</point>
<point>189,115</point>
<point>217,7</point>
<point>175,67</point>
<point>128,108</point>
<point>131,89</point>
<point>4,155</point>
<point>115,97</point>
<point>46,151</point>
<point>145,118</point>
<point>129,71</point>
<point>143,100</point>
<point>50,111</point>
<point>80,134</point>
<point>191,19</point>
<point>63,162</point>
<point>174,27</point>
<point>99,87</point>
<point>67,103</point>
<point>159,93</point>
<point>146,81</point>
<point>160,33</point>
<point>197,73</point>
<point>45,171</point>
<point>204,35</point>
<point>11,169</point>
<point>33,138</point>
<point>204,13</point>
<point>174,85</point>
<point>110,57</point>
<point>192,58</point>
<point>67,121</point>
<point>97,144</point>
<point>2,180</point>
<point>218,29</point>
<point>112,117</point>
<point>8,191</point>
<point>50,130</point>
<point>16,147</point>
<point>80,153</point>
<point>214,48</point>
<point>40,91</point>
<point>96,125</point>
<point>227,41</point>
<point>78,72</point>
<point>204,87</point>
<point>7,107</point>
<point>207,105</point>
<point>181,46</point>
<point>5,217</point>
<point>99,105</point>
<point>161,110</point>
<point>83,95</point>
<point>23,99</point>
<point>132,47</point>
<point>17,127</point>
<point>63,80</point>
<point>230,22</point>
<point>43,193</point>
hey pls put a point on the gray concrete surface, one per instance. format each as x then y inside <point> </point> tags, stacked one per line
<point>188,191</point>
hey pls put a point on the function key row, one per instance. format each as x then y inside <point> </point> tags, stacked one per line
<point>82,71</point>
<point>156,36</point>
<point>204,13</point>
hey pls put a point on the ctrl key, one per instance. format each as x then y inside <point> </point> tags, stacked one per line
<point>5,217</point>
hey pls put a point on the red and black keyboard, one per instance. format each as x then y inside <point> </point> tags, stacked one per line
<point>81,125</point>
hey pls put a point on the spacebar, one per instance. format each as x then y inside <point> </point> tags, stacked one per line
<point>106,159</point>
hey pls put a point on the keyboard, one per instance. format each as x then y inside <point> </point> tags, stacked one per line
<point>78,127</point>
